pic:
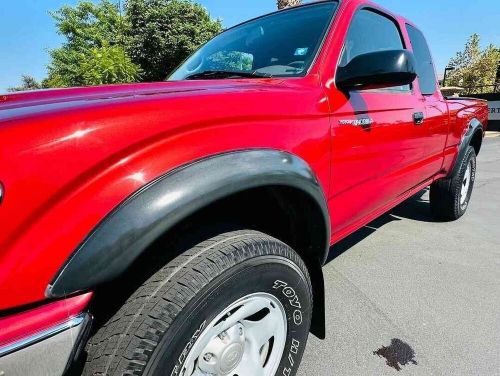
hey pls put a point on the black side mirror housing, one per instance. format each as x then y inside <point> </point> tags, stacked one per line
<point>377,70</point>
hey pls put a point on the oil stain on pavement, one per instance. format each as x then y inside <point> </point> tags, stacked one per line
<point>397,354</point>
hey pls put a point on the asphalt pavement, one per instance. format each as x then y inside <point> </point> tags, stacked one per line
<point>406,295</point>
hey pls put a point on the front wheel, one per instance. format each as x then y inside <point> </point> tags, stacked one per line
<point>237,304</point>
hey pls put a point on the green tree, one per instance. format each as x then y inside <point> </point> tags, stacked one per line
<point>90,24</point>
<point>28,83</point>
<point>104,45</point>
<point>475,69</point>
<point>108,65</point>
<point>163,33</point>
<point>95,48</point>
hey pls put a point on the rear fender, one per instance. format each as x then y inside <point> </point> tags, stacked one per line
<point>474,129</point>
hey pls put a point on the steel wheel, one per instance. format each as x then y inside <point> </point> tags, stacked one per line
<point>245,339</point>
<point>466,185</point>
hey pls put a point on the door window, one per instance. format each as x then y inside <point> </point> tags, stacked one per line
<point>425,67</point>
<point>372,32</point>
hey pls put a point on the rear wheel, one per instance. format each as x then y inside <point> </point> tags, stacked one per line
<point>237,304</point>
<point>449,198</point>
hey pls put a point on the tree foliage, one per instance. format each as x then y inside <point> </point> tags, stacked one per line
<point>108,65</point>
<point>282,4</point>
<point>94,48</point>
<point>165,32</point>
<point>475,69</point>
<point>89,25</point>
<point>93,66</point>
<point>145,41</point>
<point>28,83</point>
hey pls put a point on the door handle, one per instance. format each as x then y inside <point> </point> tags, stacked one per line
<point>418,118</point>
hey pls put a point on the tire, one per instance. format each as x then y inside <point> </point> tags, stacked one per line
<point>449,198</point>
<point>167,322</point>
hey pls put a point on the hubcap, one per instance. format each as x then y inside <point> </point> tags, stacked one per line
<point>246,339</point>
<point>466,184</point>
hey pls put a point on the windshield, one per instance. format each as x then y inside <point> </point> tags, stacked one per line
<point>282,44</point>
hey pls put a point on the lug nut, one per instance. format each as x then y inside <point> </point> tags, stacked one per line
<point>223,336</point>
<point>208,357</point>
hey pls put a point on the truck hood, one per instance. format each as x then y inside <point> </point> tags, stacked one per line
<point>27,103</point>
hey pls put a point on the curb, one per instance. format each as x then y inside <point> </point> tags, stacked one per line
<point>490,134</point>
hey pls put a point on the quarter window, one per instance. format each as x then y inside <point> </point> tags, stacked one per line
<point>425,67</point>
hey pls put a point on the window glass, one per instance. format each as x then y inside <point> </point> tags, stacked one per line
<point>372,32</point>
<point>281,44</point>
<point>425,67</point>
<point>230,61</point>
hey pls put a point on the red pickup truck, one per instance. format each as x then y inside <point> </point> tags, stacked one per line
<point>179,228</point>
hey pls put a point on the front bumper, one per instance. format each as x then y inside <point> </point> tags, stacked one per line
<point>49,352</point>
<point>44,341</point>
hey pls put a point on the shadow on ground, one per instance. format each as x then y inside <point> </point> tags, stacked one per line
<point>415,208</point>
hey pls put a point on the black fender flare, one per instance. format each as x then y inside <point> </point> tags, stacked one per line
<point>473,127</point>
<point>142,218</point>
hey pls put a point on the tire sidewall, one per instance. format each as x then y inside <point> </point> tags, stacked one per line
<point>275,275</point>
<point>469,159</point>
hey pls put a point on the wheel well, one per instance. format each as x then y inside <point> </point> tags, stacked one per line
<point>477,141</point>
<point>285,213</point>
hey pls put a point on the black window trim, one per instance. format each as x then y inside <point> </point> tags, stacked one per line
<point>436,82</point>
<point>403,42</point>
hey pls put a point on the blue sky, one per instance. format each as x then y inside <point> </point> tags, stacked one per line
<point>27,31</point>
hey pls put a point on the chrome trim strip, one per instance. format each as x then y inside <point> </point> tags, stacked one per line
<point>42,335</point>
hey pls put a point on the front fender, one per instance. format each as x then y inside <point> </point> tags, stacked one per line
<point>121,237</point>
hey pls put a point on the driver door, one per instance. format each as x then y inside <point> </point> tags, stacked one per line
<point>374,142</point>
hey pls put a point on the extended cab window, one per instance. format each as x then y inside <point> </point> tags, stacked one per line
<point>281,44</point>
<point>371,32</point>
<point>425,67</point>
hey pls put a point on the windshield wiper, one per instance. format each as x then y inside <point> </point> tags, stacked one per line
<point>218,74</point>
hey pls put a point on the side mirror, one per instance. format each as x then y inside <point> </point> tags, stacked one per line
<point>377,70</point>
